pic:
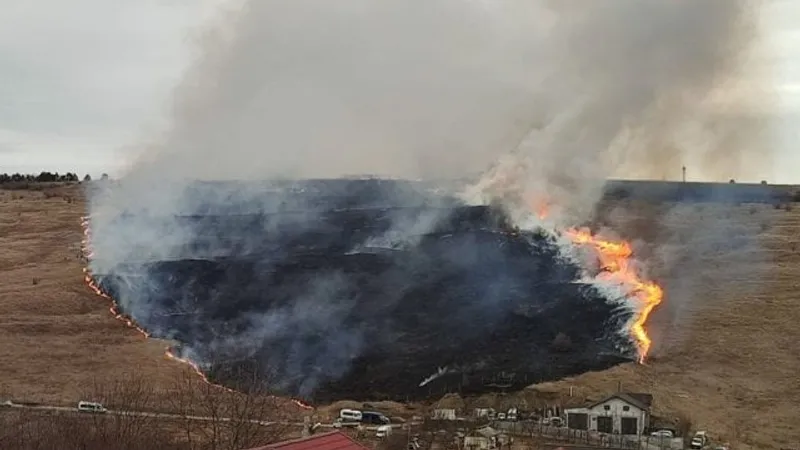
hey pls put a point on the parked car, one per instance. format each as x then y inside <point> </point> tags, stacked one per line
<point>374,418</point>
<point>699,440</point>
<point>350,415</point>
<point>553,422</point>
<point>91,407</point>
<point>663,434</point>
<point>512,414</point>
<point>341,423</point>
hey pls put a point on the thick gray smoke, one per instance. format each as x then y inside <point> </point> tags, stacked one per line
<point>638,89</point>
<point>441,89</point>
<point>552,97</point>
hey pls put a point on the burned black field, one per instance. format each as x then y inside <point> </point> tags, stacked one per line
<point>360,290</point>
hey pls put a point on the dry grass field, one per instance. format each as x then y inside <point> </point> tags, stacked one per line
<point>727,335</point>
<point>57,338</point>
<point>727,345</point>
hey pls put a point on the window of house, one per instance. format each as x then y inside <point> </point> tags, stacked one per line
<point>626,408</point>
<point>607,407</point>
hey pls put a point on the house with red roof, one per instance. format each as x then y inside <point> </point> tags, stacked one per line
<point>334,440</point>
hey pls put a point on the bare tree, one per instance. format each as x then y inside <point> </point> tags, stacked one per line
<point>131,398</point>
<point>439,434</point>
<point>47,430</point>
<point>201,416</point>
<point>396,441</point>
<point>218,418</point>
<point>182,401</point>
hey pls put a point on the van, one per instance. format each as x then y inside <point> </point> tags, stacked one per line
<point>339,423</point>
<point>374,418</point>
<point>91,407</point>
<point>350,415</point>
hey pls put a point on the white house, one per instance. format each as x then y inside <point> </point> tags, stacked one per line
<point>621,413</point>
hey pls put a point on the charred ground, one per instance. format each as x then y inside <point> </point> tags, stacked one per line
<point>356,297</point>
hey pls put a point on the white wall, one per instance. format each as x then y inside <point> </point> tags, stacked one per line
<point>477,443</point>
<point>444,414</point>
<point>616,411</point>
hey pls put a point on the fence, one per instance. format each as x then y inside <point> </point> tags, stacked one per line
<point>588,438</point>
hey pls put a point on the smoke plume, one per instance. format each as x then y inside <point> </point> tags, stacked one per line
<point>441,89</point>
<point>539,101</point>
<point>635,89</point>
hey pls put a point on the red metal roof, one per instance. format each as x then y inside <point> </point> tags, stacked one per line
<point>334,440</point>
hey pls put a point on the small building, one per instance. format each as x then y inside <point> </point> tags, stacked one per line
<point>484,412</point>
<point>444,414</point>
<point>448,407</point>
<point>485,438</point>
<point>334,440</point>
<point>621,413</point>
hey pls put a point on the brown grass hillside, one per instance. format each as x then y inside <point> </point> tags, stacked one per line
<point>727,360</point>
<point>56,337</point>
<point>727,335</point>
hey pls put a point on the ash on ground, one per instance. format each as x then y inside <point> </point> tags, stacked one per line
<point>358,289</point>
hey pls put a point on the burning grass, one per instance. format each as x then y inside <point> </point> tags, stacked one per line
<point>725,367</point>
<point>130,323</point>
<point>335,309</point>
<point>616,265</point>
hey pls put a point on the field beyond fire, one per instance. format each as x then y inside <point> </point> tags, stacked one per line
<point>726,367</point>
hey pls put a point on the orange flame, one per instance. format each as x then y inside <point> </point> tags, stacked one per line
<point>87,276</point>
<point>615,262</point>
<point>88,253</point>
<point>541,208</point>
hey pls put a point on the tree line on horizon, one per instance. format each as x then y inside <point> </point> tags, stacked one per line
<point>45,177</point>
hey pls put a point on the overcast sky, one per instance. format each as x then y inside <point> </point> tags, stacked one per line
<point>80,81</point>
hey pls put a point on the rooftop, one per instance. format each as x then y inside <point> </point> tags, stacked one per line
<point>334,440</point>
<point>639,400</point>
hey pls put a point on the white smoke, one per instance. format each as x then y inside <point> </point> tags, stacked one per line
<point>552,97</point>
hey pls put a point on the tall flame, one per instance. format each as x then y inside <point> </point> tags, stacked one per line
<point>615,261</point>
<point>88,253</point>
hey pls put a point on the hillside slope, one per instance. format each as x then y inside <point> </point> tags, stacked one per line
<point>728,331</point>
<point>57,338</point>
<point>726,336</point>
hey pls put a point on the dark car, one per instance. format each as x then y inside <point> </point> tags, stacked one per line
<point>374,418</point>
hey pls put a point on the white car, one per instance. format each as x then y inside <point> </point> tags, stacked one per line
<point>663,434</point>
<point>339,423</point>
<point>553,422</point>
<point>91,407</point>
<point>699,440</point>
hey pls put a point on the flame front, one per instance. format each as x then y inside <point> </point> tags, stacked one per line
<point>87,276</point>
<point>615,262</point>
<point>114,310</point>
